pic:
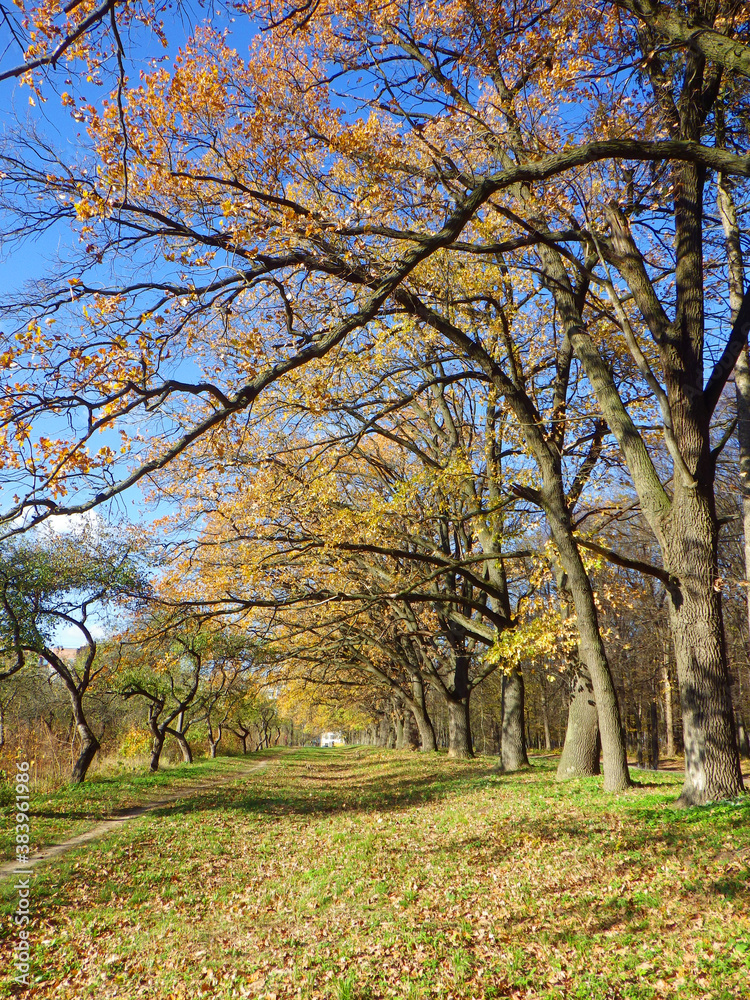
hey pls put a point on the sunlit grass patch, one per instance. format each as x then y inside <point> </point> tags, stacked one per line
<point>73,809</point>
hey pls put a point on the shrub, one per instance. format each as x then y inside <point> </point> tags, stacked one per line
<point>136,742</point>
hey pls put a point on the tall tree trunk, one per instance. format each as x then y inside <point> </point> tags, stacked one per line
<point>742,386</point>
<point>654,737</point>
<point>640,742</point>
<point>384,731</point>
<point>459,729</point>
<point>684,523</point>
<point>513,754</point>
<point>728,214</point>
<point>712,767</point>
<point>418,708</point>
<point>411,738</point>
<point>427,740</point>
<point>457,702</point>
<point>398,719</point>
<point>592,653</point>
<point>669,721</point>
<point>545,711</point>
<point>582,746</point>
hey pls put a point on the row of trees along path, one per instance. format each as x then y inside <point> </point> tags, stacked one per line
<point>549,203</point>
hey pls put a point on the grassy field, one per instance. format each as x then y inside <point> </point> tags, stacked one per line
<point>73,809</point>
<point>354,873</point>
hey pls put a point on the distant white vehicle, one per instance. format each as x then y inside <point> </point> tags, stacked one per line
<point>331,740</point>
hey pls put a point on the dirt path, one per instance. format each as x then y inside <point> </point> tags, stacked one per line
<point>115,822</point>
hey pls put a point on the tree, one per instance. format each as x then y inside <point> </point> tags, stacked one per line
<point>224,692</point>
<point>62,581</point>
<point>162,661</point>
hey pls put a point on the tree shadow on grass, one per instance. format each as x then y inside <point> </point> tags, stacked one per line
<point>395,792</point>
<point>733,886</point>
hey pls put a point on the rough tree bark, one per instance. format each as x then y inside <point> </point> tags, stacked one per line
<point>456,698</point>
<point>582,747</point>
<point>683,519</point>
<point>590,646</point>
<point>459,729</point>
<point>513,754</point>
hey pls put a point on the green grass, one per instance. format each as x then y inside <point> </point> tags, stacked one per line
<point>73,809</point>
<point>356,874</point>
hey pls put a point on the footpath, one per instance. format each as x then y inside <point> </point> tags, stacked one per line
<point>117,821</point>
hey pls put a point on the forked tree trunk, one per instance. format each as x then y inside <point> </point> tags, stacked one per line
<point>187,753</point>
<point>89,746</point>
<point>156,749</point>
<point>213,744</point>
<point>89,742</point>
<point>592,654</point>
<point>684,519</point>
<point>418,708</point>
<point>580,753</point>
<point>513,754</point>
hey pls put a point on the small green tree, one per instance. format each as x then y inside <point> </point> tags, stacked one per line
<point>59,581</point>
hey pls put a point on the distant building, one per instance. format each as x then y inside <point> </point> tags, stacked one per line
<point>332,739</point>
<point>68,655</point>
